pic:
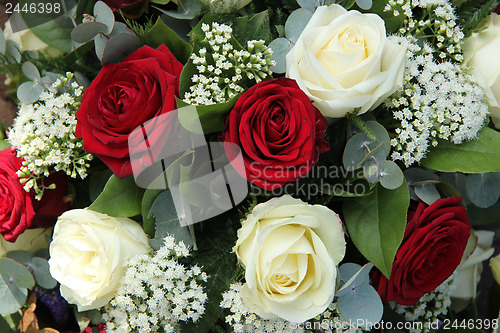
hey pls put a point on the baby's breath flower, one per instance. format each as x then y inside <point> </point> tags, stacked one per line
<point>225,65</point>
<point>157,292</point>
<point>43,135</point>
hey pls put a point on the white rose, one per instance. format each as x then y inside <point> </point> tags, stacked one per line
<point>468,273</point>
<point>87,253</point>
<point>481,54</point>
<point>343,61</point>
<point>27,40</point>
<point>290,251</point>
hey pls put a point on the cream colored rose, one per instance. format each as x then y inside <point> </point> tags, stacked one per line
<point>468,273</point>
<point>27,40</point>
<point>344,62</point>
<point>481,54</point>
<point>87,253</point>
<point>290,251</point>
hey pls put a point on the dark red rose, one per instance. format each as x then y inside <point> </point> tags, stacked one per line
<point>432,248</point>
<point>280,133</point>
<point>54,202</point>
<point>122,97</point>
<point>130,8</point>
<point>16,205</point>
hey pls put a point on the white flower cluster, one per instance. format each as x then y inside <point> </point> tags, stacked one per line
<point>222,71</point>
<point>437,20</point>
<point>43,134</point>
<point>438,100</point>
<point>157,292</point>
<point>242,320</point>
<point>430,307</point>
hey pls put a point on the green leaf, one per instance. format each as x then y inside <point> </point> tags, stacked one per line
<point>10,323</point>
<point>120,198</point>
<point>148,220</point>
<point>167,221</point>
<point>160,34</point>
<point>103,14</point>
<point>14,281</point>
<point>473,12</point>
<point>212,117</point>
<point>392,23</point>
<point>187,10</point>
<point>3,43</point>
<point>4,144</point>
<point>84,32</point>
<point>476,156</point>
<point>376,224</point>
<point>483,189</point>
<point>31,71</point>
<point>252,27</point>
<point>56,33</point>
<point>42,274</point>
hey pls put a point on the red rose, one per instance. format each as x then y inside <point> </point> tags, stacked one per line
<point>432,248</point>
<point>280,133</point>
<point>16,205</point>
<point>122,97</point>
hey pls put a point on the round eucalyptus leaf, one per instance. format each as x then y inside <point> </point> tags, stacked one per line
<point>382,137</point>
<point>14,281</point>
<point>3,43</point>
<point>22,257</point>
<point>364,4</point>
<point>296,23</point>
<point>414,175</point>
<point>427,193</point>
<point>119,46</point>
<point>99,44</point>
<point>391,176</point>
<point>42,274</point>
<point>84,32</point>
<point>362,305</point>
<point>281,47</point>
<point>355,151</point>
<point>371,171</point>
<point>189,10</point>
<point>457,180</point>
<point>483,189</point>
<point>12,49</point>
<point>310,5</point>
<point>31,71</point>
<point>104,15</point>
<point>29,92</point>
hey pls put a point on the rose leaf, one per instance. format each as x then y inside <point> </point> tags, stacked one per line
<point>376,224</point>
<point>476,156</point>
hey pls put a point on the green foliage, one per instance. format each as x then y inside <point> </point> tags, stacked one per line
<point>476,156</point>
<point>56,33</point>
<point>392,23</point>
<point>160,34</point>
<point>15,279</point>
<point>120,198</point>
<point>376,224</point>
<point>10,323</point>
<point>252,27</point>
<point>472,12</point>
<point>138,28</point>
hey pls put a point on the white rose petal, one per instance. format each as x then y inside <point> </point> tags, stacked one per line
<point>290,251</point>
<point>344,62</point>
<point>87,254</point>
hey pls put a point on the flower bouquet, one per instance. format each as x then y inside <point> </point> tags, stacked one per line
<point>250,166</point>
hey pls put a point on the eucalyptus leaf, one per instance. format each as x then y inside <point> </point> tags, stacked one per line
<point>104,15</point>
<point>120,198</point>
<point>483,189</point>
<point>427,193</point>
<point>22,257</point>
<point>376,224</point>
<point>31,71</point>
<point>3,43</point>
<point>12,49</point>
<point>362,305</point>
<point>476,156</point>
<point>186,10</point>
<point>167,221</point>
<point>371,171</point>
<point>14,281</point>
<point>29,92</point>
<point>42,273</point>
<point>364,4</point>
<point>415,175</point>
<point>280,47</point>
<point>119,47</point>
<point>352,275</point>
<point>296,23</point>
<point>84,32</point>
<point>310,5</point>
<point>391,176</point>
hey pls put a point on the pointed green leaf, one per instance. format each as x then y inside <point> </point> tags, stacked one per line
<point>476,156</point>
<point>376,224</point>
<point>120,198</point>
